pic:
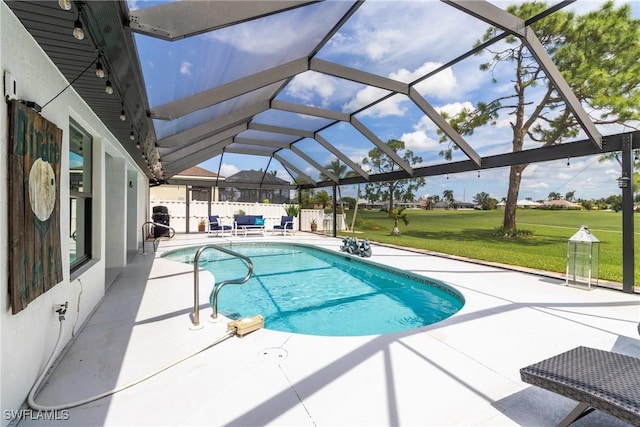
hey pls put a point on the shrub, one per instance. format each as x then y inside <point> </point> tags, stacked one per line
<point>510,233</point>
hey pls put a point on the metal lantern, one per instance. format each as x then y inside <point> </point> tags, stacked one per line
<point>583,259</point>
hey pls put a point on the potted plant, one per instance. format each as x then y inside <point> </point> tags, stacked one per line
<point>314,225</point>
<point>201,225</point>
<point>292,210</point>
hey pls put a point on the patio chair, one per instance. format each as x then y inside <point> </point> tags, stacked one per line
<point>597,379</point>
<point>286,224</point>
<point>216,227</point>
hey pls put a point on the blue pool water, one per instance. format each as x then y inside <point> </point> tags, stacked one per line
<point>307,290</point>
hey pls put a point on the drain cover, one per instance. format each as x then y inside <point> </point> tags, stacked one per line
<point>273,355</point>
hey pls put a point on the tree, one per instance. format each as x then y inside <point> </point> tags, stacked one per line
<point>397,214</point>
<point>597,53</point>
<point>321,198</point>
<point>570,195</point>
<point>485,201</point>
<point>339,170</point>
<point>432,200</point>
<point>391,190</point>
<point>447,195</point>
<point>554,195</point>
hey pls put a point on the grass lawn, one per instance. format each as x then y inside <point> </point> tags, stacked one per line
<point>469,233</point>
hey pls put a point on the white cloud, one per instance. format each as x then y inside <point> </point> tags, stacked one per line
<point>388,107</point>
<point>307,85</point>
<point>185,68</point>
<point>418,141</point>
<point>228,170</point>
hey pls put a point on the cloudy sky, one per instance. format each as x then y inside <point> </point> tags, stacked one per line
<point>404,40</point>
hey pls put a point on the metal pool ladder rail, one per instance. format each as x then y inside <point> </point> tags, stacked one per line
<point>214,293</point>
<point>172,233</point>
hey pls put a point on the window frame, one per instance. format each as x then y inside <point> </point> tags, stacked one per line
<point>81,199</point>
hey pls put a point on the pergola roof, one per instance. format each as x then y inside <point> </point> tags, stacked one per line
<point>238,102</point>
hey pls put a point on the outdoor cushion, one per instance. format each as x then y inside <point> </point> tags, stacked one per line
<point>286,223</point>
<point>242,220</point>
<point>258,221</point>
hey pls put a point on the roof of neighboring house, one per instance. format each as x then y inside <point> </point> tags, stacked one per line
<point>255,177</point>
<point>198,172</point>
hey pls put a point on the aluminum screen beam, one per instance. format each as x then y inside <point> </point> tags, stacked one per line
<point>439,121</point>
<point>490,14</point>
<point>224,92</point>
<point>301,174</point>
<point>358,76</point>
<point>178,20</point>
<point>207,129</point>
<point>315,164</point>
<point>497,17</point>
<point>353,165</point>
<point>563,88</point>
<point>280,129</point>
<point>309,111</point>
<point>382,146</point>
<point>183,163</point>
<point>262,143</point>
<point>212,140</point>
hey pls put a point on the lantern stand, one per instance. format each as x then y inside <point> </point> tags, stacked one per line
<point>583,259</point>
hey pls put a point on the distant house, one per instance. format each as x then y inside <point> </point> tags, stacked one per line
<point>256,186</point>
<point>193,184</point>
<point>443,204</point>
<point>523,204</point>
<point>560,204</point>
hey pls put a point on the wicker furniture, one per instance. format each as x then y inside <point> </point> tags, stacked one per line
<point>597,379</point>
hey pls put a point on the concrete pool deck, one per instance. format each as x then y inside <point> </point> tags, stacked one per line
<point>463,371</point>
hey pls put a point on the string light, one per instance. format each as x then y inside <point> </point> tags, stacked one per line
<point>64,4</point>
<point>99,70</point>
<point>78,33</point>
<point>132,136</point>
<point>123,115</point>
<point>108,88</point>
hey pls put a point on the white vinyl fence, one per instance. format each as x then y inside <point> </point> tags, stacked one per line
<point>272,213</point>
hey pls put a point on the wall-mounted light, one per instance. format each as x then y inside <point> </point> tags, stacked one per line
<point>78,32</point>
<point>64,4</point>
<point>108,88</point>
<point>99,70</point>
<point>623,181</point>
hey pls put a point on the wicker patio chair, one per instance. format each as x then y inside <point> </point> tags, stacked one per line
<point>597,379</point>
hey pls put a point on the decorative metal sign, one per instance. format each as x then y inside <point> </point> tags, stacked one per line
<point>35,262</point>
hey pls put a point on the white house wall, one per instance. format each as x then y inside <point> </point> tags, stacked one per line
<point>28,337</point>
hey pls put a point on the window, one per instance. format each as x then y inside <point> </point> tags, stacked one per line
<point>200,194</point>
<point>80,144</point>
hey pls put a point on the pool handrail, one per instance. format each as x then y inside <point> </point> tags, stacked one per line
<point>213,297</point>
<point>172,233</point>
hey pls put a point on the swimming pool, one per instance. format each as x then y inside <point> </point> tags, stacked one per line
<point>308,290</point>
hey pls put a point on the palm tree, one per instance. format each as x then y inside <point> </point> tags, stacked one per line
<point>339,170</point>
<point>448,197</point>
<point>397,214</point>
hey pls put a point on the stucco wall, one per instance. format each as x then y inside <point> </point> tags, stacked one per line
<point>28,337</point>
